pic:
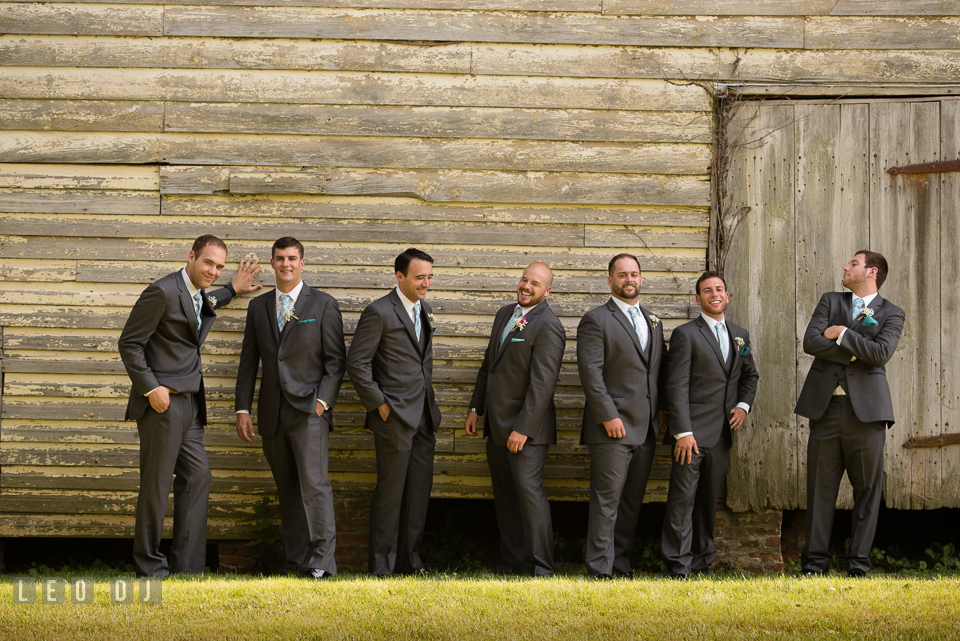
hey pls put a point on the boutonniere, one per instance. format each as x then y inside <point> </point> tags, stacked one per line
<point>520,323</point>
<point>433,322</point>
<point>212,301</point>
<point>741,346</point>
<point>288,315</point>
<point>654,319</point>
<point>866,312</point>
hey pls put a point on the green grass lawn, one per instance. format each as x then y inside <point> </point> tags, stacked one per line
<point>480,606</point>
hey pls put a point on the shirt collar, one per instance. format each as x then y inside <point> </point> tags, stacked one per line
<point>625,307</point>
<point>526,310</point>
<point>293,293</point>
<point>868,299</point>
<point>713,323</point>
<point>407,303</point>
<point>186,279</point>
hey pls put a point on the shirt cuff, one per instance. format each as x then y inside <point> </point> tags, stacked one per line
<point>744,407</point>
<point>324,403</point>
<point>151,391</point>
<point>681,435</point>
<point>840,337</point>
<point>243,411</point>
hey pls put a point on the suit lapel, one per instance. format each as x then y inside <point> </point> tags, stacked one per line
<point>500,323</point>
<point>734,350</point>
<point>875,305</point>
<point>711,339</point>
<point>270,309</point>
<point>426,329</point>
<point>186,301</point>
<point>207,315</point>
<point>298,308</point>
<point>401,312</point>
<point>652,344</point>
<point>846,306</point>
<point>627,326</point>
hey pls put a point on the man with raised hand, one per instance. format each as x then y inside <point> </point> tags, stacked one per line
<point>160,349</point>
<point>390,363</point>
<point>296,332</point>
<point>711,384</point>
<point>852,335</point>
<point>622,361</point>
<point>514,393</point>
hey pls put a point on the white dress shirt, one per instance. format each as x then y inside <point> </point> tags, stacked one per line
<point>866,303</point>
<point>625,308</point>
<point>294,294</point>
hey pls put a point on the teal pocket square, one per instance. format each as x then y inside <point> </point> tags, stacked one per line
<point>309,320</point>
<point>745,350</point>
<point>517,340</point>
<point>869,322</point>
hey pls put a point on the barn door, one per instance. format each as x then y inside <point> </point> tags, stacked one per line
<point>814,177</point>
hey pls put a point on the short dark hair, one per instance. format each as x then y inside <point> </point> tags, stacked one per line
<point>710,274</point>
<point>284,243</point>
<point>876,260</point>
<point>613,261</point>
<point>203,241</point>
<point>403,260</point>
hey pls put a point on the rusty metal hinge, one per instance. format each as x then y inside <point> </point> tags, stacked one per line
<point>933,441</point>
<point>927,168</point>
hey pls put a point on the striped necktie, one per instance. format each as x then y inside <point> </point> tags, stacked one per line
<point>724,347</point>
<point>857,307</point>
<point>197,306</point>
<point>416,318</point>
<point>640,327</point>
<point>517,313</point>
<point>284,305</point>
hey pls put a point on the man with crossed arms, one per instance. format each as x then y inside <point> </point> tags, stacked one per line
<point>514,393</point>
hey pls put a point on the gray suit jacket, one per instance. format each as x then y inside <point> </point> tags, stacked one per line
<point>701,387</point>
<point>619,380</point>
<point>515,384</point>
<point>387,365</point>
<point>160,343</point>
<point>866,377</point>
<point>304,363</point>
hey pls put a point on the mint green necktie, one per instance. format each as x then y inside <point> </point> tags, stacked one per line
<point>857,307</point>
<point>640,327</point>
<point>724,348</point>
<point>416,318</point>
<point>517,313</point>
<point>285,304</point>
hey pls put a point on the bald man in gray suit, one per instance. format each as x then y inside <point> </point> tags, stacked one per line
<point>514,393</point>
<point>160,349</point>
<point>390,363</point>
<point>622,361</point>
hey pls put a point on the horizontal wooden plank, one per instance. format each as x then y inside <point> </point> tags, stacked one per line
<point>78,201</point>
<point>38,271</point>
<point>470,26</point>
<point>437,122</point>
<point>782,8</point>
<point>791,90</point>
<point>220,53</point>
<point>101,242</point>
<point>882,33</point>
<point>198,181</point>
<point>124,481</point>
<point>74,19</point>
<point>109,526</point>
<point>478,5</point>
<point>400,153</point>
<point>80,115</point>
<point>872,66</point>
<point>99,177</point>
<point>276,182</point>
<point>351,88</point>
<point>618,236</point>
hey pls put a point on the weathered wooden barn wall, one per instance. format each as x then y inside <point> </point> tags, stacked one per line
<point>814,175</point>
<point>488,133</point>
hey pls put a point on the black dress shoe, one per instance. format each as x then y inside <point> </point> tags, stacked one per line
<point>422,573</point>
<point>856,573</point>
<point>602,577</point>
<point>623,575</point>
<point>315,573</point>
<point>814,573</point>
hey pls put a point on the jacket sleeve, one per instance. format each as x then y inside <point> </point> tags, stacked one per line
<point>249,362</point>
<point>544,371</point>
<point>143,321</point>
<point>818,345</point>
<point>678,383</point>
<point>590,355</point>
<point>223,296</point>
<point>366,340</point>
<point>334,353</point>
<point>879,350</point>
